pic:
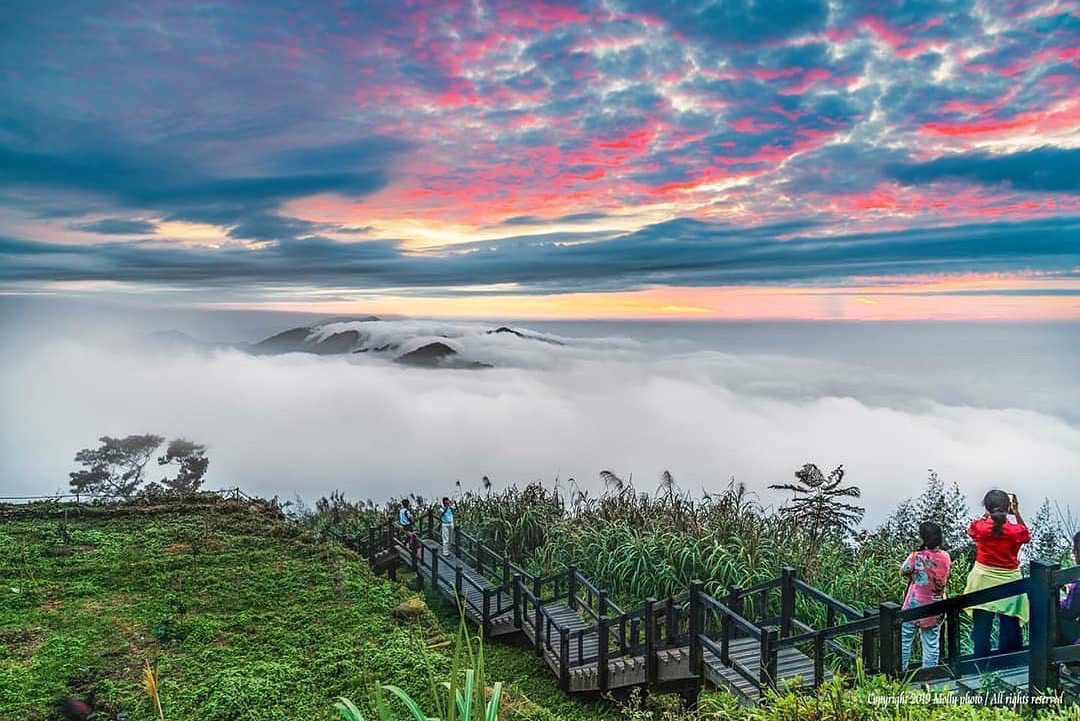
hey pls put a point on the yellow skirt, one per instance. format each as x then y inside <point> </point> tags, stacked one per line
<point>983,577</point>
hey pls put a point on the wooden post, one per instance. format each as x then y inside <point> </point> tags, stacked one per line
<point>952,640</point>
<point>571,587</point>
<point>431,522</point>
<point>1042,629</point>
<point>457,541</point>
<point>769,637</point>
<point>734,602</point>
<point>602,604</point>
<point>697,619</point>
<point>485,619</point>
<point>457,583</point>
<point>651,669</point>
<point>564,659</point>
<point>435,569</point>
<point>538,624</point>
<point>887,638</point>
<point>505,570</point>
<point>603,638</point>
<point>479,555</point>
<point>869,663</point>
<point>819,657</point>
<point>671,628</point>
<point>787,600</point>
<point>371,542</point>
<point>519,581</point>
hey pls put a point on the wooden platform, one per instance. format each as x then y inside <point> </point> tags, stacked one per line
<point>650,646</point>
<point>499,624</point>
<point>1008,681</point>
<point>793,668</point>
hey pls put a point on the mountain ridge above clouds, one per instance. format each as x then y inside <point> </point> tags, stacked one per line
<point>428,344</point>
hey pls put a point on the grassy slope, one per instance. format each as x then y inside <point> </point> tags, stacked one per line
<point>275,626</point>
<point>535,695</point>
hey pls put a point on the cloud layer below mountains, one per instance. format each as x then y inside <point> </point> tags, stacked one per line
<point>304,424</point>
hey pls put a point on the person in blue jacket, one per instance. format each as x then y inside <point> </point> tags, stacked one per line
<point>447,519</point>
<point>405,520</point>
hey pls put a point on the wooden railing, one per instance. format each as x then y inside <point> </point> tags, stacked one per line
<point>766,612</point>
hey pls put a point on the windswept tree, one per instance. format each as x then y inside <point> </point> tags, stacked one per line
<point>116,467</point>
<point>817,503</point>
<point>191,463</point>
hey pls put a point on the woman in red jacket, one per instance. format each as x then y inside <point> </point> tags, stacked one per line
<point>997,549</point>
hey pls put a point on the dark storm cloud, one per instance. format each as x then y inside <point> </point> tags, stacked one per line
<point>1046,169</point>
<point>680,252</point>
<point>117,226</point>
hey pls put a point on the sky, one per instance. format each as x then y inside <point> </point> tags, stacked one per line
<point>626,158</point>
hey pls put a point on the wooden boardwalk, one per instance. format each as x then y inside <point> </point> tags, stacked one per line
<point>457,579</point>
<point>794,668</point>
<point>746,641</point>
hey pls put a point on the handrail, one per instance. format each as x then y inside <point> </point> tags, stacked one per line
<point>754,630</point>
<point>614,611</point>
<point>863,624</point>
<point>759,587</point>
<point>966,600</point>
<point>584,581</point>
<point>821,596</point>
<point>706,621</point>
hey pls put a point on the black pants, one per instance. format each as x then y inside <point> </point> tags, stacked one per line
<point>1009,636</point>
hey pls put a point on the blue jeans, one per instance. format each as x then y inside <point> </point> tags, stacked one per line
<point>931,639</point>
<point>1009,637</point>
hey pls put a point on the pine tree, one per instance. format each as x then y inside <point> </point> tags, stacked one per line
<point>1049,541</point>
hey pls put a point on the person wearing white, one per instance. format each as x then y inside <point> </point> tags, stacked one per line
<point>447,519</point>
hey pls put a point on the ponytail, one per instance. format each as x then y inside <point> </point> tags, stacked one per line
<point>999,522</point>
<point>997,505</point>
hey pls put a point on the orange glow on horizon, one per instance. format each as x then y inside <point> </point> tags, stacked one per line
<point>946,298</point>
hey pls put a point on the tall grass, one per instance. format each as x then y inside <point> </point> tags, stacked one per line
<point>466,696</point>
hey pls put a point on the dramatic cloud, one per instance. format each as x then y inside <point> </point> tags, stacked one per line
<point>228,138</point>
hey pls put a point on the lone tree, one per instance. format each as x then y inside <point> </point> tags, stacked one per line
<point>816,503</point>
<point>191,463</point>
<point>115,468</point>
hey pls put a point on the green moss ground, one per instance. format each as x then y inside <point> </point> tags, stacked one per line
<point>246,618</point>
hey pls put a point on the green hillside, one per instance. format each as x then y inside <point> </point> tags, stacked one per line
<point>248,616</point>
<point>244,615</point>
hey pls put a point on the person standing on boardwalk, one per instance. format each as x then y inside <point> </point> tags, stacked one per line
<point>447,519</point>
<point>927,573</point>
<point>997,549</point>
<point>405,520</point>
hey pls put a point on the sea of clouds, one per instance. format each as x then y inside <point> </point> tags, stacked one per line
<point>554,407</point>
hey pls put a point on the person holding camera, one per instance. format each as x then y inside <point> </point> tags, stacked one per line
<point>997,561</point>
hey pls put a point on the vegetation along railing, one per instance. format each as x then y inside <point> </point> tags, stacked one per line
<point>749,639</point>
